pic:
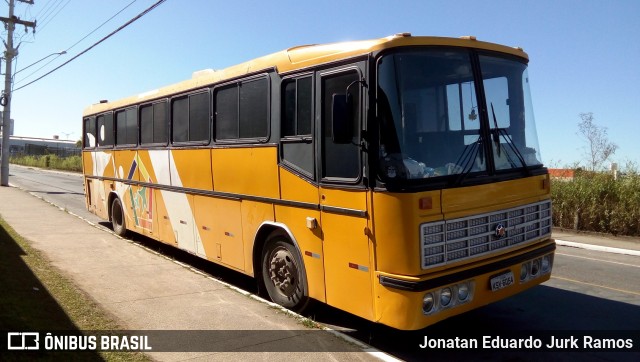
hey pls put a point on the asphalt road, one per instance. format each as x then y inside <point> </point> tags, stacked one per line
<point>589,292</point>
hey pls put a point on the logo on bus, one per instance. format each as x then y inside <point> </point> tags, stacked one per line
<point>501,231</point>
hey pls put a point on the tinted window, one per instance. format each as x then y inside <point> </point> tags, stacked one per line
<point>160,122</point>
<point>227,113</point>
<point>199,117</point>
<point>153,123</point>
<point>105,130</point>
<point>242,110</point>
<point>288,127</point>
<point>89,132</point>
<point>126,127</point>
<point>254,108</point>
<point>340,160</point>
<point>180,118</point>
<point>304,106</point>
<point>297,107</point>
<point>146,124</point>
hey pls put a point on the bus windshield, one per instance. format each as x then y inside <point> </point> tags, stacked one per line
<point>432,123</point>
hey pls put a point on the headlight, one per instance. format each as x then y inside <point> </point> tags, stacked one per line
<point>524,272</point>
<point>428,303</point>
<point>546,263</point>
<point>445,297</point>
<point>463,292</point>
<point>535,267</point>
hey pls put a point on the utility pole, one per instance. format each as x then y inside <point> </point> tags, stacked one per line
<point>5,100</point>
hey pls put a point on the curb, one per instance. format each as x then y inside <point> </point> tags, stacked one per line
<point>605,249</point>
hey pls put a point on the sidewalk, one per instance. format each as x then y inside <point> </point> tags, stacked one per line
<point>149,292</point>
<point>594,241</point>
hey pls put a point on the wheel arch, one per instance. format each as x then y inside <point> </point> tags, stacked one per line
<point>267,230</point>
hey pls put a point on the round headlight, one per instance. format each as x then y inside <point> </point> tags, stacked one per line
<point>535,267</point>
<point>546,263</point>
<point>463,292</point>
<point>445,297</point>
<point>428,303</point>
<point>524,271</point>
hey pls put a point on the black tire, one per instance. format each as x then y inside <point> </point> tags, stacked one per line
<point>283,274</point>
<point>117,218</point>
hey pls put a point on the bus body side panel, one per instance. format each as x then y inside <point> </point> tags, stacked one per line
<point>219,228</point>
<point>308,236</point>
<point>87,170</point>
<point>126,168</point>
<point>153,168</point>
<point>347,260</point>
<point>103,166</point>
<point>246,171</point>
<point>254,214</point>
<point>184,172</point>
<point>87,163</point>
<point>191,168</point>
<point>162,228</point>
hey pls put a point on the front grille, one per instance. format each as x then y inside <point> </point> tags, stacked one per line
<point>450,241</point>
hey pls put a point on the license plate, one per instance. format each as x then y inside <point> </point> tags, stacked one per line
<point>501,281</point>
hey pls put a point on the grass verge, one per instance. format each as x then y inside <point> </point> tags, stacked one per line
<point>71,163</point>
<point>36,296</point>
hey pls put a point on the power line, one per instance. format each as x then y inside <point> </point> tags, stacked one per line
<point>53,16</point>
<point>47,13</point>
<point>45,8</point>
<point>76,43</point>
<point>101,25</point>
<point>95,44</point>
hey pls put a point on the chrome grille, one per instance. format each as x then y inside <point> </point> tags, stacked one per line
<point>450,241</point>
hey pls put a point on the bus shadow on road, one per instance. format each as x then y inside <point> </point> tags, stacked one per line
<point>214,270</point>
<point>541,311</point>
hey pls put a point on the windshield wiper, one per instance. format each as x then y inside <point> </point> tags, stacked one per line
<point>497,132</point>
<point>467,158</point>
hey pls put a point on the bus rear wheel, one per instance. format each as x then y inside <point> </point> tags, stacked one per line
<point>117,218</point>
<point>283,274</point>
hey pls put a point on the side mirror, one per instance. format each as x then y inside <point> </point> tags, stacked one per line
<point>341,118</point>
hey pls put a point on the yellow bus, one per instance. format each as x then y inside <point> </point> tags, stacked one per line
<point>398,179</point>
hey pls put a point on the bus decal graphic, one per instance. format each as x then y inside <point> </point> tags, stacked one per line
<point>142,200</point>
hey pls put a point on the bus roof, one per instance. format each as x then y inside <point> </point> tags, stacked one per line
<point>301,57</point>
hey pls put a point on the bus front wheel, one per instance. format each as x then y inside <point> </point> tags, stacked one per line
<point>283,274</point>
<point>117,218</point>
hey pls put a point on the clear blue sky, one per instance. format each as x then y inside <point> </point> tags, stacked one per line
<point>584,55</point>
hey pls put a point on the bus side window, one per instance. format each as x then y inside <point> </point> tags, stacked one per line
<point>105,130</point>
<point>297,118</point>
<point>190,117</point>
<point>153,123</point>
<point>127,127</point>
<point>242,110</point>
<point>89,132</point>
<point>340,160</point>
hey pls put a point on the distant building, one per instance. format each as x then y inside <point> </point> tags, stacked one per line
<point>42,146</point>
<point>562,174</point>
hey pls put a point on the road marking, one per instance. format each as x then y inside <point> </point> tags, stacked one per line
<point>606,261</point>
<point>595,285</point>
